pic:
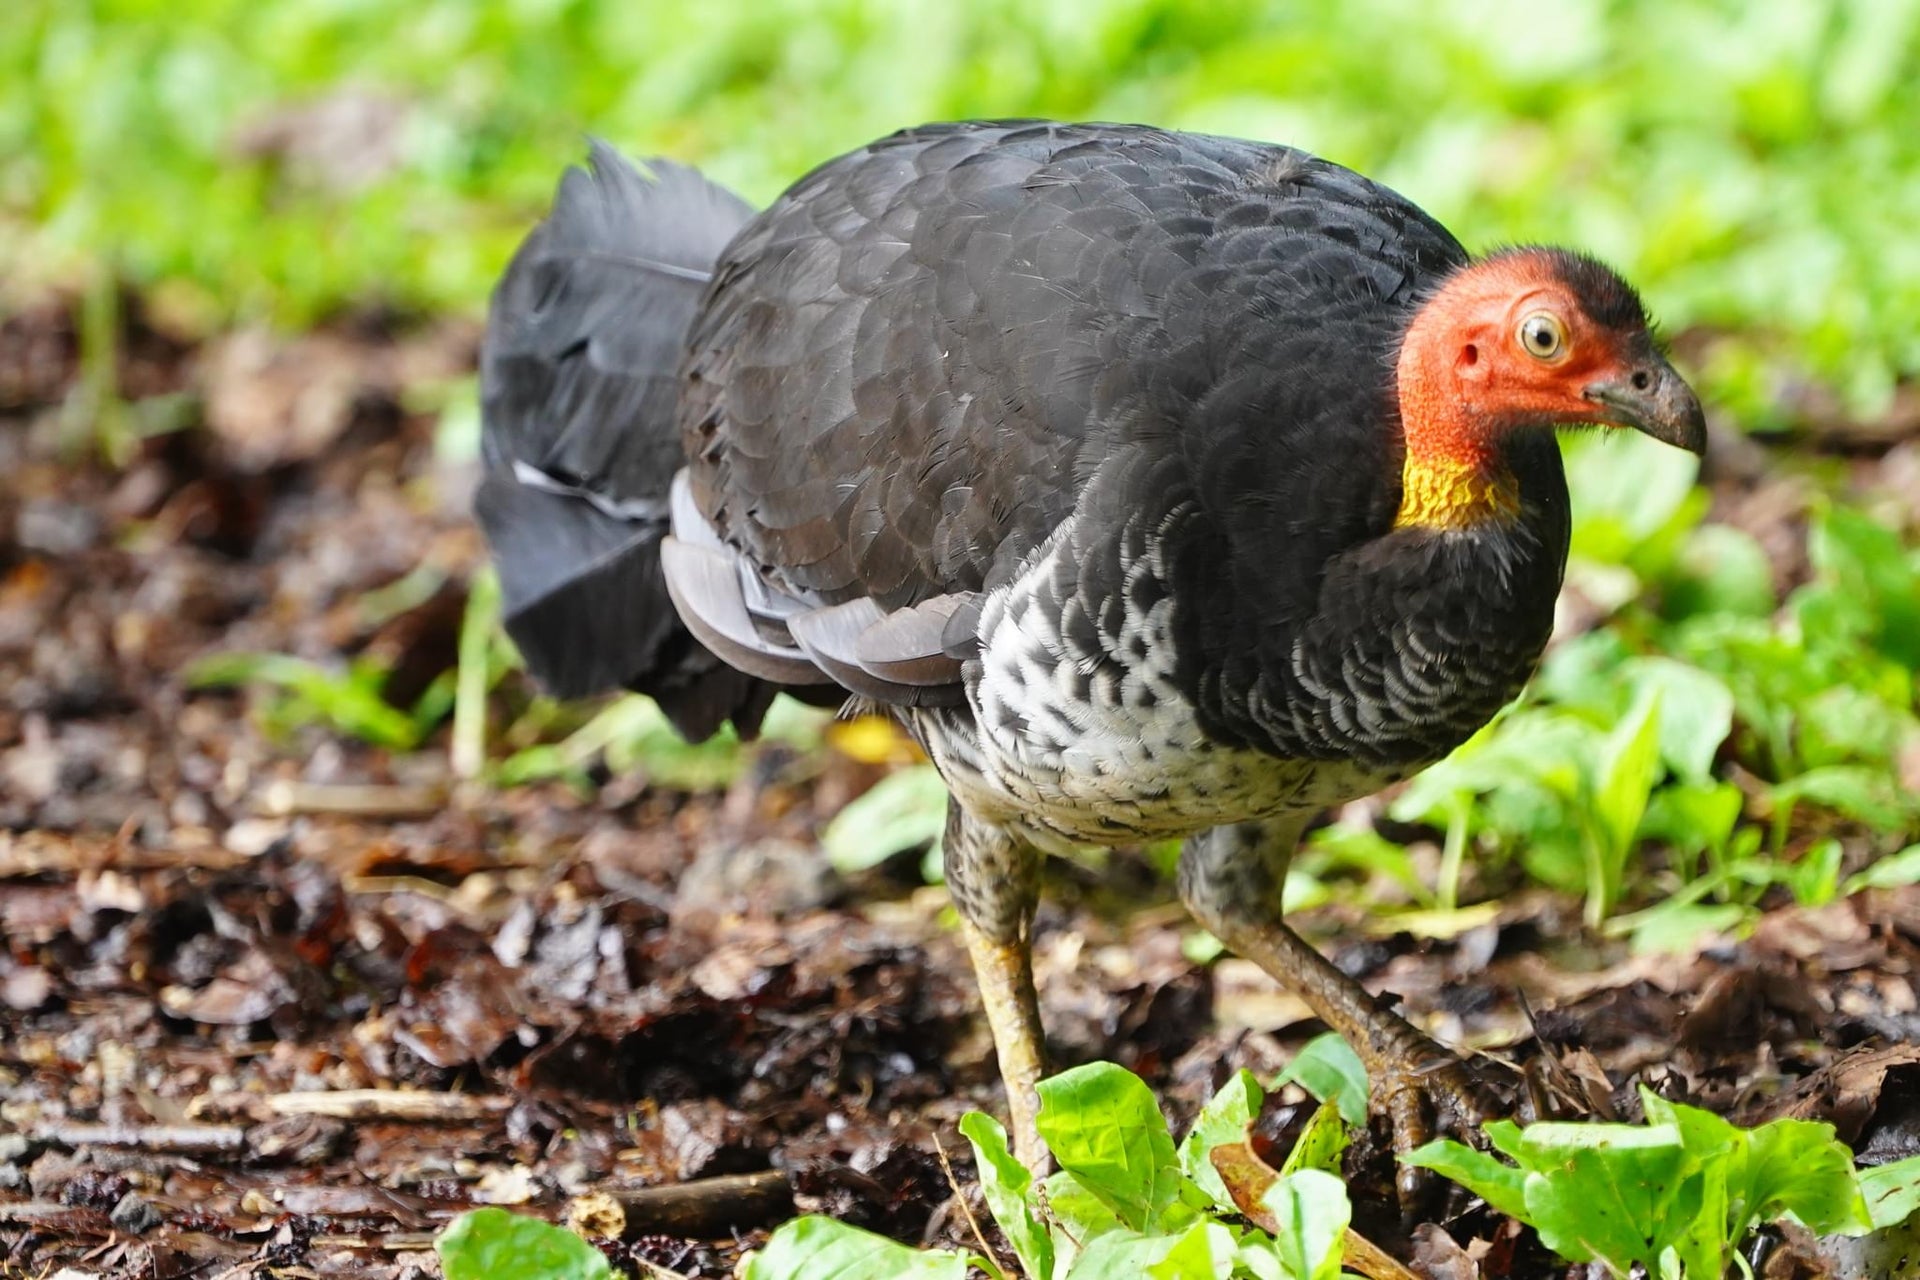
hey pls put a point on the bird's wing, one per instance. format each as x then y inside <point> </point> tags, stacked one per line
<point>910,370</point>
<point>891,656</point>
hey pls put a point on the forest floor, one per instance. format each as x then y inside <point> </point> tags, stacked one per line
<point>275,1002</point>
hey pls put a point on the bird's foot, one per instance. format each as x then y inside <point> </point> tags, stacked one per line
<point>1428,1091</point>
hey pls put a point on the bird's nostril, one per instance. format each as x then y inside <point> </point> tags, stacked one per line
<point>1642,380</point>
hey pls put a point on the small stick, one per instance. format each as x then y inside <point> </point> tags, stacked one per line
<point>708,1207</point>
<point>286,797</point>
<point>960,1197</point>
<point>356,1104</point>
<point>189,1139</point>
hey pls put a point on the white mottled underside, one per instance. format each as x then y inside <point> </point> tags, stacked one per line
<point>1114,759</point>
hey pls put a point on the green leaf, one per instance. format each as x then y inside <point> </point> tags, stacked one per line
<point>1703,1241</point>
<point>349,700</point>
<point>1102,1124</point>
<point>1892,1192</point>
<point>1008,1187</point>
<point>486,1244</point>
<point>1624,779</point>
<point>1311,1212</point>
<point>1121,1255</point>
<point>1856,791</point>
<point>1227,1117</point>
<point>1609,1190</point>
<point>1329,1069</point>
<point>1895,871</point>
<point>1868,561</point>
<point>1082,1214</point>
<point>1500,1185</point>
<point>903,810</point>
<point>822,1248</point>
<point>1798,1167</point>
<point>1695,713</point>
<point>1205,1251</point>
<point>1720,569</point>
<point>1321,1144</point>
<point>1674,926</point>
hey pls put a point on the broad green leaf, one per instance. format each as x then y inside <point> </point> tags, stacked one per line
<point>485,1244</point>
<point>1204,1251</point>
<point>1695,715</point>
<point>1499,1184</point>
<point>1321,1143</point>
<point>1814,877</point>
<point>1258,1258</point>
<point>1226,1118</point>
<point>1329,1069</point>
<point>1892,1192</point>
<point>1678,927</point>
<point>1008,1186</point>
<point>1692,817</point>
<point>1627,491</point>
<point>1123,1255</point>
<point>1605,1191</point>
<point>1720,569</point>
<point>1104,1127</point>
<point>905,809</point>
<point>822,1248</point>
<point>1703,1241</point>
<point>1868,560</point>
<point>1798,1167</point>
<point>1079,1211</point>
<point>1310,1212</point>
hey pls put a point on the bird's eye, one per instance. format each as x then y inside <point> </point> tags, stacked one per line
<point>1542,334</point>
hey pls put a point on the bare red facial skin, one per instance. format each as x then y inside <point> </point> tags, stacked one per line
<point>1467,375</point>
<point>1465,379</point>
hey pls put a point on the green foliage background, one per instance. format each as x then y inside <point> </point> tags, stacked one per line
<point>1756,167</point>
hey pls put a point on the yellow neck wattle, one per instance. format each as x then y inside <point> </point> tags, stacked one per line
<point>1446,493</point>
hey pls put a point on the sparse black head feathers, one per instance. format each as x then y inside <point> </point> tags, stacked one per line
<point>1608,300</point>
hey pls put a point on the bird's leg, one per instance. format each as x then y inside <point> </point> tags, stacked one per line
<point>1231,878</point>
<point>994,879</point>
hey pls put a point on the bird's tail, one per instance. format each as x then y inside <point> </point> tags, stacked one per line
<point>579,381</point>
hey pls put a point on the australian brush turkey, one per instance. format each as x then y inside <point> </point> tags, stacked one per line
<point>1160,485</point>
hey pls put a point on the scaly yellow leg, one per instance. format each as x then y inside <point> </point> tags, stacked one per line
<point>994,880</point>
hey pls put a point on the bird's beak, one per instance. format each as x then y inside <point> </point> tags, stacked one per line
<point>1654,399</point>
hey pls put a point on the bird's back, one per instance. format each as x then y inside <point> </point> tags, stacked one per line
<point>909,370</point>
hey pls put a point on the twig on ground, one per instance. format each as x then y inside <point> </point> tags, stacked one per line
<point>707,1207</point>
<point>356,1104</point>
<point>186,1139</point>
<point>286,797</point>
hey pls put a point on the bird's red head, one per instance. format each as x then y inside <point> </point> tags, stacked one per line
<point>1521,340</point>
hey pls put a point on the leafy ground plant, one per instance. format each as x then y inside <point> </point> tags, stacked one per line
<point>492,1244</point>
<point>1127,1202</point>
<point>1678,1195</point>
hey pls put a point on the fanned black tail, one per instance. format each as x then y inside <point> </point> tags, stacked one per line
<point>578,383</point>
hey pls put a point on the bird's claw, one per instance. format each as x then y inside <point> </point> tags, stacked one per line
<point>1426,1091</point>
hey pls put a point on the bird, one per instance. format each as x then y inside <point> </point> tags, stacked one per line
<point>1160,485</point>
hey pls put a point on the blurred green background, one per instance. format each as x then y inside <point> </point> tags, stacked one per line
<point>1755,168</point>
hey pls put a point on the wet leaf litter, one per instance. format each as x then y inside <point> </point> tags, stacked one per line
<point>283,994</point>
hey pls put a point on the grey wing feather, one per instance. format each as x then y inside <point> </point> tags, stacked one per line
<point>705,586</point>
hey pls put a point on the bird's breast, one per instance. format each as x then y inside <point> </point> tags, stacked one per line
<point>1076,731</point>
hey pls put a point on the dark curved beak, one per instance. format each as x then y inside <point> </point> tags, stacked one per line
<point>1654,399</point>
